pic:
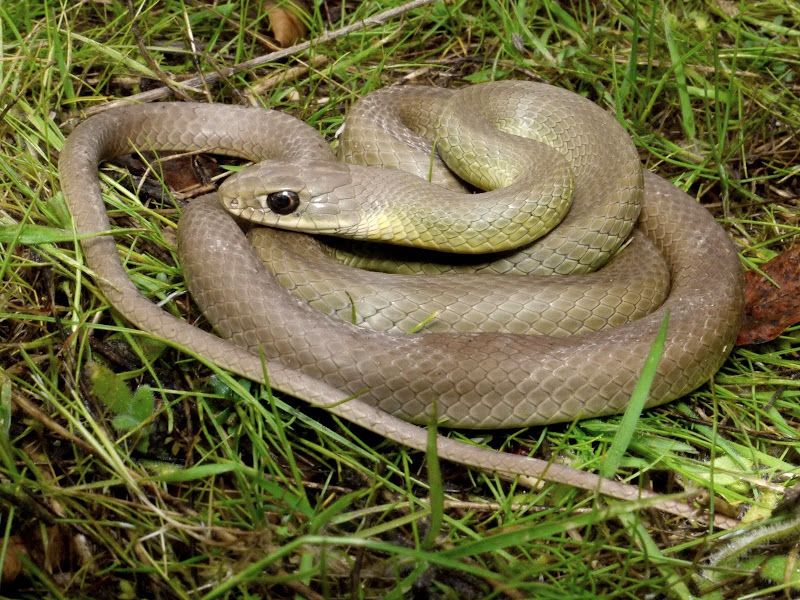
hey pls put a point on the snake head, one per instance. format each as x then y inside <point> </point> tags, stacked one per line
<point>311,197</point>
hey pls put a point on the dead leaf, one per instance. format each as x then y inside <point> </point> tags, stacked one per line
<point>12,565</point>
<point>186,172</point>
<point>772,303</point>
<point>287,27</point>
<point>49,553</point>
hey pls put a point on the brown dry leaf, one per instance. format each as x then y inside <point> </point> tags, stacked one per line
<point>12,565</point>
<point>287,27</point>
<point>55,552</point>
<point>771,308</point>
<point>186,172</point>
<point>50,555</point>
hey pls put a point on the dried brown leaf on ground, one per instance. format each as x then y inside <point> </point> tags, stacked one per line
<point>186,172</point>
<point>12,566</point>
<point>285,21</point>
<point>49,550</point>
<point>772,299</point>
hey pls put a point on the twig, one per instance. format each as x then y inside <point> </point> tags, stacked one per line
<point>282,77</point>
<point>212,78</point>
<point>33,411</point>
<point>151,62</point>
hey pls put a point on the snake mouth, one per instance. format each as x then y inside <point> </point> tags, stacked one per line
<point>310,218</point>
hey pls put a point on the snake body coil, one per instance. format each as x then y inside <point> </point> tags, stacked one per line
<point>476,380</point>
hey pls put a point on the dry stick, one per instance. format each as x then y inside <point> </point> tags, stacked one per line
<point>211,78</point>
<point>151,62</point>
<point>283,77</point>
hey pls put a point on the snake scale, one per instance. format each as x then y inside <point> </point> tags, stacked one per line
<point>475,379</point>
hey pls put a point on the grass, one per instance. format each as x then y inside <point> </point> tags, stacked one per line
<point>245,494</point>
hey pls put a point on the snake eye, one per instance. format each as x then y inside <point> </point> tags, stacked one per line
<point>284,202</point>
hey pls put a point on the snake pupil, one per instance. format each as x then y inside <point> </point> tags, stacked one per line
<point>283,202</point>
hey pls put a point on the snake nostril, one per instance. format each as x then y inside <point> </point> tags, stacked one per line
<point>284,202</point>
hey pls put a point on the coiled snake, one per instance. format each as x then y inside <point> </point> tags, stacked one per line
<point>475,379</point>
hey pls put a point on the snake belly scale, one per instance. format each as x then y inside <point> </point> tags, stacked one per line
<point>476,380</point>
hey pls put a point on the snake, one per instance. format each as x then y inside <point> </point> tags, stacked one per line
<point>389,381</point>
